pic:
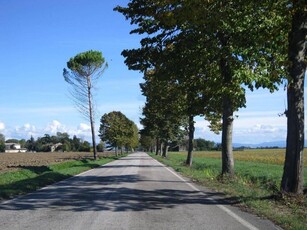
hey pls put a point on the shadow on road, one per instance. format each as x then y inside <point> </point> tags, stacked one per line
<point>110,193</point>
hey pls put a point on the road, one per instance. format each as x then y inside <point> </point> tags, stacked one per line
<point>135,192</point>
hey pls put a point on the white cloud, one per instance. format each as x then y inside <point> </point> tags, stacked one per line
<point>249,128</point>
<point>84,127</point>
<point>259,133</point>
<point>2,126</point>
<point>54,127</point>
<point>22,132</point>
<point>27,130</point>
<point>83,131</point>
<point>203,131</point>
<point>247,123</point>
<point>29,127</point>
<point>202,125</point>
<point>262,128</point>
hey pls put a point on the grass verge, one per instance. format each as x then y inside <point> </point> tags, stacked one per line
<point>30,178</point>
<point>255,187</point>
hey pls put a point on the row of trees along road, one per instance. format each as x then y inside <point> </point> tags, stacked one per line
<point>207,53</point>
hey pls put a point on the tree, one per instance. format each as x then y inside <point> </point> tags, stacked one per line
<point>85,147</point>
<point>284,42</point>
<point>163,110</point>
<point>75,143</point>
<point>61,137</point>
<point>2,138</point>
<point>147,142</point>
<point>133,140</point>
<point>101,147</point>
<point>12,141</point>
<point>30,144</point>
<point>202,144</point>
<point>85,69</point>
<point>22,143</point>
<point>118,131</point>
<point>224,26</point>
<point>168,55</point>
<point>2,142</point>
<point>293,175</point>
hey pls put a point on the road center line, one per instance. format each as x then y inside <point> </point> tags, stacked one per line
<point>225,209</point>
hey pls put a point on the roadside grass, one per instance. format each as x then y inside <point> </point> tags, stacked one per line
<point>254,188</point>
<point>30,178</point>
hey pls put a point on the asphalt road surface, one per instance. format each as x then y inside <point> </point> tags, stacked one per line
<point>135,192</point>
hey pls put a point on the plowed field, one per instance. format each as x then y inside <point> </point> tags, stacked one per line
<point>15,161</point>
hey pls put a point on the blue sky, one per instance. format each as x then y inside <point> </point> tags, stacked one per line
<point>37,39</point>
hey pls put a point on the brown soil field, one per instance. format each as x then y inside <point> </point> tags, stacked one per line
<point>14,161</point>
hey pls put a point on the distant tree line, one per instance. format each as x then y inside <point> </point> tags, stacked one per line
<point>60,142</point>
<point>116,132</point>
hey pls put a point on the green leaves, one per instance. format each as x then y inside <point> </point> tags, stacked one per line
<point>205,51</point>
<point>87,63</point>
<point>117,130</point>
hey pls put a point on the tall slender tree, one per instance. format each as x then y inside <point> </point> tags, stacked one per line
<point>84,71</point>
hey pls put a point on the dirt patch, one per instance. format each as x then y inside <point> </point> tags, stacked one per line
<point>15,161</point>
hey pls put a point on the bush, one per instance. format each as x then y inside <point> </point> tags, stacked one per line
<point>2,147</point>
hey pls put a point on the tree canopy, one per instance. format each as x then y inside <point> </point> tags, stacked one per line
<point>118,131</point>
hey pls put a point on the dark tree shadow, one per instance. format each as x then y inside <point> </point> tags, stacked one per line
<point>92,193</point>
<point>34,169</point>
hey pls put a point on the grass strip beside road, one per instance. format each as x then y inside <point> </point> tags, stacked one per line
<point>30,178</point>
<point>255,187</point>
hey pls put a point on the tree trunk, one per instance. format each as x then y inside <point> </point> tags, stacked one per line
<point>116,151</point>
<point>158,147</point>
<point>293,175</point>
<point>191,140</point>
<point>89,94</point>
<point>227,127</point>
<point>164,149</point>
<point>157,144</point>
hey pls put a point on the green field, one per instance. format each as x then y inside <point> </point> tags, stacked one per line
<point>255,186</point>
<point>31,178</point>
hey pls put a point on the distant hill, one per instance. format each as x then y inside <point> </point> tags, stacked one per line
<point>279,144</point>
